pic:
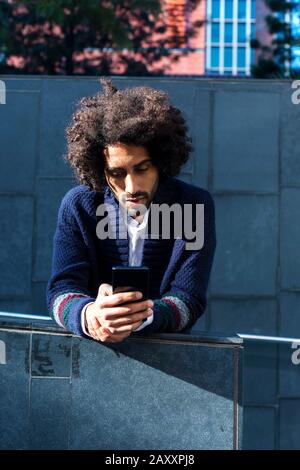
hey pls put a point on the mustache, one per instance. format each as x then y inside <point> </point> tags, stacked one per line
<point>136,195</point>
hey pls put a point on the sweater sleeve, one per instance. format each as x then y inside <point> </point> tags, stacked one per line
<point>67,290</point>
<point>179,308</point>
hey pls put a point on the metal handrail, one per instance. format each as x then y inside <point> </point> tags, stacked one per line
<point>271,339</point>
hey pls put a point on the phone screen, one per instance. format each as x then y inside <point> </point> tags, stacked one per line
<point>132,278</point>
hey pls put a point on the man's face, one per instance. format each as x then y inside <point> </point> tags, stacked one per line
<point>130,174</point>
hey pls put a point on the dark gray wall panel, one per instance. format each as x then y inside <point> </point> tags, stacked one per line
<point>289,436</point>
<point>289,314</point>
<point>246,256</point>
<point>19,119</point>
<point>289,370</point>
<point>16,215</point>
<point>259,428</point>
<point>289,133</point>
<point>260,373</point>
<point>47,211</point>
<point>245,150</point>
<point>290,236</point>
<point>244,316</point>
<point>55,116</point>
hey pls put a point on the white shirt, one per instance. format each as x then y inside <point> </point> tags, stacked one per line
<point>136,233</point>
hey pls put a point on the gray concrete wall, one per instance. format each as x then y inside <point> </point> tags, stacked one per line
<point>247,154</point>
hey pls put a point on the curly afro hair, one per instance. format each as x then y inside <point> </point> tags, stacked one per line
<point>140,116</point>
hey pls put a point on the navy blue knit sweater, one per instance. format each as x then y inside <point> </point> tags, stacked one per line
<point>81,261</point>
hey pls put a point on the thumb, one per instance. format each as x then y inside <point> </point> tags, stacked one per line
<point>105,289</point>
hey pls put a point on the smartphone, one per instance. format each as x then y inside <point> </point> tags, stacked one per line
<point>131,278</point>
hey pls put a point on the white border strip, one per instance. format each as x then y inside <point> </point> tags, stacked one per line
<point>208,36</point>
<point>221,44</point>
<point>248,35</point>
<point>235,37</point>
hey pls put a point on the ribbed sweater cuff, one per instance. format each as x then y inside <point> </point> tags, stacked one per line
<point>74,318</point>
<point>67,309</point>
<point>159,324</point>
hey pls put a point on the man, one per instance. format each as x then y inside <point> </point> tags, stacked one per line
<point>125,148</point>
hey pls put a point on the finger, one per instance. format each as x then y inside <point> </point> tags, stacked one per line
<point>95,334</point>
<point>93,323</point>
<point>109,314</point>
<point>105,289</point>
<point>102,334</point>
<point>128,320</point>
<point>126,328</point>
<point>94,328</point>
<point>118,299</point>
<point>139,306</point>
<point>136,325</point>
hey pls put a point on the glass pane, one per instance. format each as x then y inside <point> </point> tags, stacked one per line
<point>228,32</point>
<point>228,57</point>
<point>215,32</point>
<point>295,21</point>
<point>215,57</point>
<point>252,56</point>
<point>296,58</point>
<point>229,9</point>
<point>241,59</point>
<point>216,8</point>
<point>241,32</point>
<point>242,9</point>
<point>252,30</point>
<point>253,9</point>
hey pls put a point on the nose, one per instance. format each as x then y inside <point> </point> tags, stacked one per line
<point>130,184</point>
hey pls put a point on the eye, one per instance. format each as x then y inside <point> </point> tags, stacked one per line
<point>116,174</point>
<point>142,169</point>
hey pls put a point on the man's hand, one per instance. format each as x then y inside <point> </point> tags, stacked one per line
<point>107,320</point>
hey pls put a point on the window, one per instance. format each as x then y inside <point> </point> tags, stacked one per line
<point>215,57</point>
<point>228,32</point>
<point>241,58</point>
<point>228,57</point>
<point>228,37</point>
<point>228,9</point>
<point>215,32</point>
<point>253,9</point>
<point>242,9</point>
<point>241,32</point>
<point>215,8</point>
